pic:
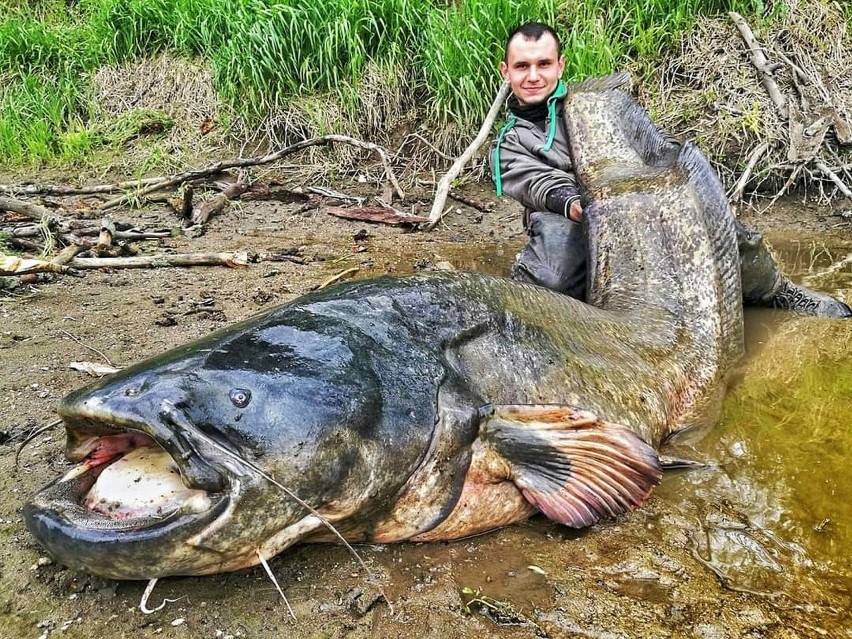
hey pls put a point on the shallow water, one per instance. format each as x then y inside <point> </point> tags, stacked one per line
<point>778,507</point>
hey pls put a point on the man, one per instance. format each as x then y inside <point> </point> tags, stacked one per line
<point>530,162</point>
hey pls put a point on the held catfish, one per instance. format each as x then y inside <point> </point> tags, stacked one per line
<point>429,407</point>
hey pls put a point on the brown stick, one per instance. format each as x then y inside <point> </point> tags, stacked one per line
<point>186,206</point>
<point>233,260</point>
<point>107,231</point>
<point>32,211</point>
<point>218,202</point>
<point>378,214</point>
<point>224,165</point>
<point>56,189</point>
<point>443,189</point>
<point>758,59</point>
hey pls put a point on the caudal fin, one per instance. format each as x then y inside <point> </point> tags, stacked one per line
<point>574,467</point>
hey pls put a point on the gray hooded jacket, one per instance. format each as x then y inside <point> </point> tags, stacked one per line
<point>533,166</point>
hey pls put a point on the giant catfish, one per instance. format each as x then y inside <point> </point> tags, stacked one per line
<point>428,407</point>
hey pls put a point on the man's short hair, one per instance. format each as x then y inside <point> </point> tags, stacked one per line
<point>532,31</point>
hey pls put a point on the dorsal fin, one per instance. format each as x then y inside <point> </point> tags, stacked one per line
<point>618,80</point>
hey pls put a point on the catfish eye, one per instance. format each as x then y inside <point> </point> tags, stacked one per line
<point>240,397</point>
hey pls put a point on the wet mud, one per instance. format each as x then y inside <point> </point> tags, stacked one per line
<point>754,544</point>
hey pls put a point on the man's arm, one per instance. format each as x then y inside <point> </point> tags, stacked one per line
<point>538,184</point>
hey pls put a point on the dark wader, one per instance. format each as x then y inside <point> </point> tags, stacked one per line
<point>555,257</point>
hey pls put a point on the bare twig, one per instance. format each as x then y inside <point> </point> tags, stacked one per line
<point>32,211</point>
<point>207,209</point>
<point>56,189</point>
<point>91,348</point>
<point>737,193</point>
<point>224,165</point>
<point>234,260</point>
<point>379,214</point>
<point>822,166</point>
<point>12,265</point>
<point>443,188</point>
<point>758,59</point>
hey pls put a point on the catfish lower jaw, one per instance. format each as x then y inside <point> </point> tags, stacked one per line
<point>125,502</point>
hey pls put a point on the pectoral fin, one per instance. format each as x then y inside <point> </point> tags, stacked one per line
<point>574,467</point>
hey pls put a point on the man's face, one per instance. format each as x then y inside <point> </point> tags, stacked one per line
<point>532,67</point>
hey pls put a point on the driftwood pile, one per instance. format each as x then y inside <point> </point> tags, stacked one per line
<point>66,231</point>
<point>769,102</point>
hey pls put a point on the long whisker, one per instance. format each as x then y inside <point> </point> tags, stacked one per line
<point>31,437</point>
<point>275,582</point>
<point>143,605</point>
<point>177,418</point>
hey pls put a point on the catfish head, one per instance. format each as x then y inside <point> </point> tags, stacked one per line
<point>244,442</point>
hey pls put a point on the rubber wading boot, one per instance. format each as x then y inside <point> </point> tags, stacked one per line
<point>765,285</point>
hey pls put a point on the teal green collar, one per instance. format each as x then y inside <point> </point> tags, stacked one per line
<point>560,92</point>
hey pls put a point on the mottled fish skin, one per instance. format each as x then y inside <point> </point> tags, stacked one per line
<point>366,400</point>
<point>662,241</point>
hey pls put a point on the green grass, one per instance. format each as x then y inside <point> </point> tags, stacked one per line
<point>268,54</point>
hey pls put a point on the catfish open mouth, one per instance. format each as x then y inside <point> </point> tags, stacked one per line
<point>129,480</point>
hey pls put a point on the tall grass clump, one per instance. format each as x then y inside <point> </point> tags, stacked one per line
<point>325,57</point>
<point>40,117</point>
<point>460,51</point>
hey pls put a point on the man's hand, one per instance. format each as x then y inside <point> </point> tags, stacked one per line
<point>575,212</point>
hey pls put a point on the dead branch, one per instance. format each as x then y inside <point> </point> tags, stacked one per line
<point>378,214</point>
<point>224,165</point>
<point>105,234</point>
<point>186,204</point>
<point>12,265</point>
<point>70,252</point>
<point>56,189</point>
<point>822,166</point>
<point>443,189</point>
<point>758,59</point>
<point>236,259</point>
<point>32,211</point>
<point>737,193</point>
<point>206,210</point>
<point>485,207</point>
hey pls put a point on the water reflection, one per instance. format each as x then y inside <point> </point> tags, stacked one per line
<point>777,510</point>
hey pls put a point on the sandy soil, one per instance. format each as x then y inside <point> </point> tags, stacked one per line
<point>638,577</point>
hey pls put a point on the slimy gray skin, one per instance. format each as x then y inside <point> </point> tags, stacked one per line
<point>428,407</point>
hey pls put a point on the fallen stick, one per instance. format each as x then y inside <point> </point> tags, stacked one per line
<point>64,231</point>
<point>236,259</point>
<point>443,189</point>
<point>378,214</point>
<point>737,193</point>
<point>12,265</point>
<point>760,62</point>
<point>224,165</point>
<point>56,189</point>
<point>207,209</point>
<point>822,166</point>
<point>32,211</point>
